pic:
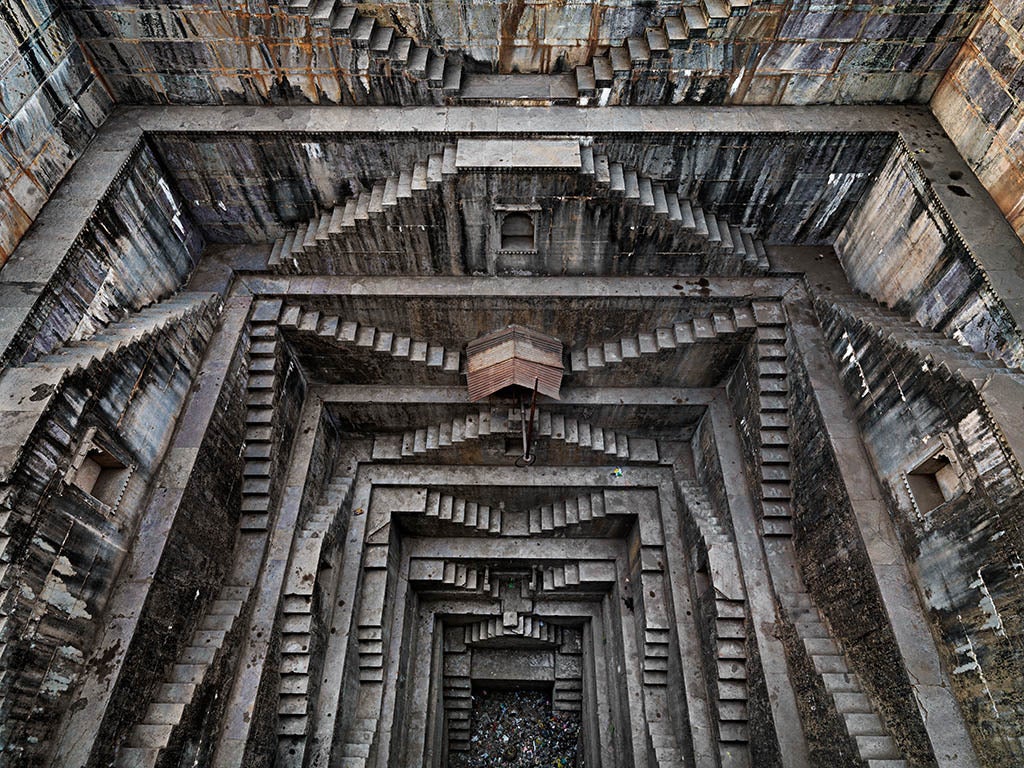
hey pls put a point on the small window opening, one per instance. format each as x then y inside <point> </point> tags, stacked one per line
<point>517,232</point>
<point>933,482</point>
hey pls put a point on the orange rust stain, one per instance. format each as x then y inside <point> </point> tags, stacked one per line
<point>511,15</point>
<point>596,20</point>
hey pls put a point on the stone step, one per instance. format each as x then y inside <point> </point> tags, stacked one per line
<point>877,747</point>
<point>136,757</point>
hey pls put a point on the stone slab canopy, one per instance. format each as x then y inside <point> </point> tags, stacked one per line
<point>514,356</point>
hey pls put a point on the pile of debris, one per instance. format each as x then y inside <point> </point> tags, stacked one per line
<point>518,729</point>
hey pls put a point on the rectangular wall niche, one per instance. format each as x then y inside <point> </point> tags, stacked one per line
<point>933,482</point>
<point>515,228</point>
<point>97,472</point>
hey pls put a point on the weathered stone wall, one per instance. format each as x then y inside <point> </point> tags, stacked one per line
<point>776,53</point>
<point>51,103</point>
<point>192,566</point>
<point>966,552</point>
<point>65,548</point>
<point>837,571</point>
<point>901,247</point>
<point>137,248</point>
<point>980,104</point>
<point>247,188</point>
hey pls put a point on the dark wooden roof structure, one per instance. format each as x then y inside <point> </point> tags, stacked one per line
<point>514,356</point>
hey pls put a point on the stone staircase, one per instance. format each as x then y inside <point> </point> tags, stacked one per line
<point>773,415</point>
<point>666,747</point>
<point>507,421</point>
<point>567,692</point>
<point>297,630</point>
<point>339,239</point>
<point>602,81</point>
<point>853,322</point>
<point>322,237</point>
<point>681,334</point>
<point>457,689</point>
<point>458,511</point>
<point>453,575</point>
<point>581,574</point>
<point>182,308</point>
<point>730,248</point>
<point>361,336</point>
<point>263,389</point>
<point>649,51</point>
<point>730,668</point>
<point>868,734</point>
<point>359,741</point>
<point>932,347</point>
<point>163,333</point>
<point>560,576</point>
<point>167,708</point>
<point>524,625</point>
<point>564,512</point>
<point>442,72</point>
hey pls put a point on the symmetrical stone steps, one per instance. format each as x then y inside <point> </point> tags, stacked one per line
<point>148,738</point>
<point>522,625</point>
<point>131,329</point>
<point>650,51</point>
<point>366,34</point>
<point>179,319</point>
<point>297,630</point>
<point>731,249</point>
<point>459,511</point>
<point>328,233</point>
<point>565,512</point>
<point>339,236</point>
<point>362,336</point>
<point>681,334</point>
<point>504,421</point>
<point>873,743</point>
<point>773,414</point>
<point>263,389</point>
<point>451,574</point>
